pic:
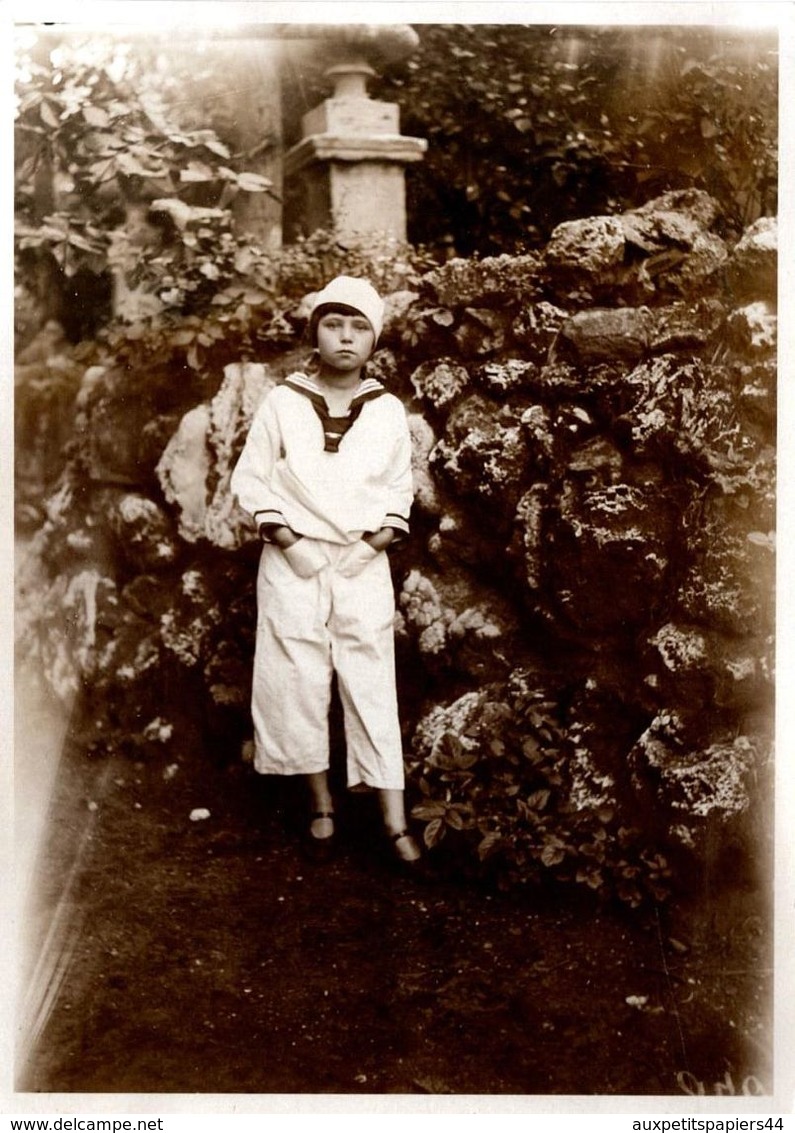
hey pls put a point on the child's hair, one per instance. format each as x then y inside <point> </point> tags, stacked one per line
<point>350,296</point>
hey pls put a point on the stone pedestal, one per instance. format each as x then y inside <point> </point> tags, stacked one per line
<point>350,162</point>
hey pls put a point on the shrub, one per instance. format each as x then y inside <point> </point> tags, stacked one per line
<point>502,778</point>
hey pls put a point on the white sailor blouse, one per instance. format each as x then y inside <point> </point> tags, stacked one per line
<point>326,477</point>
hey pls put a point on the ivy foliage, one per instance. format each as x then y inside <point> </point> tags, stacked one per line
<point>118,173</point>
<point>115,169</point>
<point>97,130</point>
<point>502,795</point>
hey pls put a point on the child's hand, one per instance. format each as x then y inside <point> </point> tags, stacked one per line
<point>380,540</point>
<point>284,536</point>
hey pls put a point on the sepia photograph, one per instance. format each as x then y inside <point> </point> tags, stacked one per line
<point>395,496</point>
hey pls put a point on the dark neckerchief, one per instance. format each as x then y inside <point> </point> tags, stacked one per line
<point>334,428</point>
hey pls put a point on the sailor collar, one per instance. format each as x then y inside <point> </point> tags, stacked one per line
<point>368,389</point>
<point>334,428</point>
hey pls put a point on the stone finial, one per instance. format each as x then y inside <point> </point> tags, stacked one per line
<point>380,44</point>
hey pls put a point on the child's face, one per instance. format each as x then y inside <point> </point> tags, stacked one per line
<point>344,341</point>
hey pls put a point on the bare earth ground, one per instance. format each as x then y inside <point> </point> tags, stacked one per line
<point>169,955</point>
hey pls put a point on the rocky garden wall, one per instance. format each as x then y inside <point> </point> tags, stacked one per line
<point>585,617</point>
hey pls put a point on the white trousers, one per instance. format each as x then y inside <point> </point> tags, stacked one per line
<point>324,608</point>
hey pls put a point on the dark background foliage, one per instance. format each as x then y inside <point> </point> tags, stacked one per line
<point>532,126</point>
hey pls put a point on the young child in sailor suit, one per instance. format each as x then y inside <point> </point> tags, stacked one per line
<point>326,475</point>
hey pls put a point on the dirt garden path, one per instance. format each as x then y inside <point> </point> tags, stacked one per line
<point>171,955</point>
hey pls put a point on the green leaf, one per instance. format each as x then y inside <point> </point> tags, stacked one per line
<point>77,241</point>
<point>552,854</point>
<point>532,749</point>
<point>253,296</point>
<point>96,116</point>
<point>48,116</point>
<point>465,760</point>
<point>539,799</point>
<point>489,844</point>
<point>592,877</point>
<point>434,832</point>
<point>102,171</point>
<point>442,317</point>
<point>253,183</point>
<point>128,163</point>
<point>428,811</point>
<point>207,138</point>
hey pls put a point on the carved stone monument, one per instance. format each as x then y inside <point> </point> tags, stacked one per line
<point>350,162</point>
